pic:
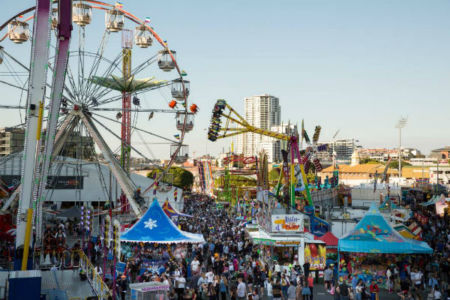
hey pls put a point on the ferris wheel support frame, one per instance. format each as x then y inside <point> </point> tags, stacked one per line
<point>64,33</point>
<point>36,97</point>
<point>124,181</point>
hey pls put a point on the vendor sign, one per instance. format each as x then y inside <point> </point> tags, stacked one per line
<point>287,223</point>
<point>316,256</point>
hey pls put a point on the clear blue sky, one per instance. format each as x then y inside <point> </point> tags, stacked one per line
<point>354,65</point>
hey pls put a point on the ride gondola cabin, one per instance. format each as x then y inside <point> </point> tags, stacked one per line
<point>142,37</point>
<point>177,89</point>
<point>81,14</point>
<point>182,155</point>
<point>189,121</point>
<point>18,31</point>
<point>114,20</point>
<point>165,61</point>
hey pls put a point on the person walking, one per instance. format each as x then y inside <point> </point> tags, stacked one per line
<point>311,285</point>
<point>374,290</point>
<point>268,289</point>
<point>241,290</point>
<point>276,289</point>
<point>343,290</point>
<point>328,277</point>
<point>291,292</point>
<point>223,287</point>
<point>359,290</point>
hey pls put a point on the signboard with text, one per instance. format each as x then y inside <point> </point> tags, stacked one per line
<point>287,223</point>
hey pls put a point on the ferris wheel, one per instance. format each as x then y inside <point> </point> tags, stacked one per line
<point>122,86</point>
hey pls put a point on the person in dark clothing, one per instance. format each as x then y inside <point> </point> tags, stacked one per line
<point>306,269</point>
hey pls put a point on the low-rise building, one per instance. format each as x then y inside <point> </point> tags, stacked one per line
<point>440,175</point>
<point>441,153</point>
<point>11,140</point>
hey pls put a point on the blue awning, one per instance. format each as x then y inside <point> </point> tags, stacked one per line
<point>373,234</point>
<point>156,227</point>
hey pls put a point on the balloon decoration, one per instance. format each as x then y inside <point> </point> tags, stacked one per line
<point>313,248</point>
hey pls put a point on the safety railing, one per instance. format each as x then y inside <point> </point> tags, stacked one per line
<point>100,288</point>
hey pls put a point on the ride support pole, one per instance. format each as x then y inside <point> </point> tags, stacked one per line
<point>26,245</point>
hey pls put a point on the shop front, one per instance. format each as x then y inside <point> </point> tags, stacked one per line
<point>289,250</point>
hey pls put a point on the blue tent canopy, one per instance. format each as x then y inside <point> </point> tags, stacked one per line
<point>156,227</point>
<point>373,234</point>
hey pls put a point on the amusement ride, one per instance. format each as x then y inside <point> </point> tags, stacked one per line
<point>226,122</point>
<point>80,80</point>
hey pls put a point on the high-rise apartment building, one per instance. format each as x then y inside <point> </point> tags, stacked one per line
<point>262,111</point>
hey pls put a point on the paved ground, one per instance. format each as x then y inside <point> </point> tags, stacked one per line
<point>65,284</point>
<point>321,294</point>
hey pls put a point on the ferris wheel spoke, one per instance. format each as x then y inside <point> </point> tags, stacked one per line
<point>103,91</point>
<point>69,96</point>
<point>14,86</point>
<point>15,75</point>
<point>73,86</point>
<point>16,61</point>
<point>97,60</point>
<point>143,65</point>
<point>140,129</point>
<point>118,137</point>
<point>81,58</point>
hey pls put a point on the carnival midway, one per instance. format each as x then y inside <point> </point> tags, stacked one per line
<point>87,211</point>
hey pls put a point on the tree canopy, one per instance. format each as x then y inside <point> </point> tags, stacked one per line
<point>176,176</point>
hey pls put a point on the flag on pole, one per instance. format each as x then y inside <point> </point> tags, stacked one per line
<point>177,136</point>
<point>147,20</point>
<point>119,4</point>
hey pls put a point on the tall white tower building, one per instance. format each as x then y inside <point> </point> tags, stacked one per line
<point>262,111</point>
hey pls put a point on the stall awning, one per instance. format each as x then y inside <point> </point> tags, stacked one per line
<point>373,234</point>
<point>329,238</point>
<point>264,238</point>
<point>156,227</point>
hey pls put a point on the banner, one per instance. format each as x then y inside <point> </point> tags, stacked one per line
<point>287,223</point>
<point>318,226</point>
<point>316,256</point>
<point>53,182</point>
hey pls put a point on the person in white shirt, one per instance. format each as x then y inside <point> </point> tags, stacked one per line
<point>210,276</point>
<point>241,290</point>
<point>277,269</point>
<point>268,289</point>
<point>437,294</point>
<point>180,285</point>
<point>195,266</point>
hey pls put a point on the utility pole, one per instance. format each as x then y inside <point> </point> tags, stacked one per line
<point>400,125</point>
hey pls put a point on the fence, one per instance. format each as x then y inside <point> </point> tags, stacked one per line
<point>96,281</point>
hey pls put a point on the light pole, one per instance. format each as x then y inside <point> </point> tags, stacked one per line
<point>400,125</point>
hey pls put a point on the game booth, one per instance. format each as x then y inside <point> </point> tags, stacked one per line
<point>372,246</point>
<point>155,233</point>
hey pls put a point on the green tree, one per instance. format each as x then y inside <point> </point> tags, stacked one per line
<point>369,161</point>
<point>177,176</point>
<point>394,164</point>
<point>274,174</point>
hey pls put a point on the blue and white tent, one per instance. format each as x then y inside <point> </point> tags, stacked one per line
<point>373,234</point>
<point>156,227</point>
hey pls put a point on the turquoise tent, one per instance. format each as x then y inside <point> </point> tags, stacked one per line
<point>373,234</point>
